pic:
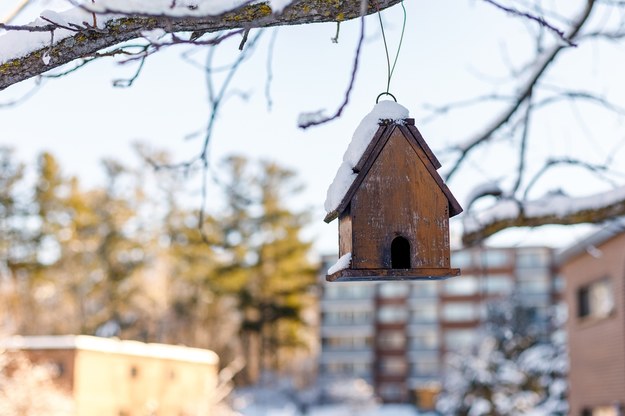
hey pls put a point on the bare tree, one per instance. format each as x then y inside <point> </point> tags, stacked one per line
<point>135,31</point>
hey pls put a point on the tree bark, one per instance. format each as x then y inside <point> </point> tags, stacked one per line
<point>556,210</point>
<point>86,43</point>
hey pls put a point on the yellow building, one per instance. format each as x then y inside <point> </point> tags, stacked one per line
<point>108,377</point>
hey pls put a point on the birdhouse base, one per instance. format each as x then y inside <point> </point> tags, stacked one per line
<point>372,275</point>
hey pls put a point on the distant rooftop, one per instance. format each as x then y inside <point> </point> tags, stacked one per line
<point>589,243</point>
<point>110,346</point>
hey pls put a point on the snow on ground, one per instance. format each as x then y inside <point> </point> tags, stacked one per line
<point>335,410</point>
<point>384,110</point>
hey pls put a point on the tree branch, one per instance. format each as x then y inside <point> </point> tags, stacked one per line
<point>89,40</point>
<point>553,209</point>
<point>524,92</point>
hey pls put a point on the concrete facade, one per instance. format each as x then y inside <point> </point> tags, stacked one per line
<point>126,378</point>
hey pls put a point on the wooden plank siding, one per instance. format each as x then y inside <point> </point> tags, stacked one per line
<point>419,208</point>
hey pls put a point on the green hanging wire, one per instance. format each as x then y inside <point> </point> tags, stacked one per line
<point>391,69</point>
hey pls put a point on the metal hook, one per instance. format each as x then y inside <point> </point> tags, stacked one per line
<point>377,100</point>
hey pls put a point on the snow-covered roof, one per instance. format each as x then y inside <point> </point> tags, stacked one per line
<point>110,346</point>
<point>373,128</point>
<point>591,243</point>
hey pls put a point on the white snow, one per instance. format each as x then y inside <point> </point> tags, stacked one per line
<point>110,345</point>
<point>278,5</point>
<point>486,188</point>
<point>384,110</point>
<point>553,204</point>
<point>15,44</point>
<point>153,35</point>
<point>342,263</point>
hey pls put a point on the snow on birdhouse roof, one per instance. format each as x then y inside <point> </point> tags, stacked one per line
<point>376,127</point>
<point>345,176</point>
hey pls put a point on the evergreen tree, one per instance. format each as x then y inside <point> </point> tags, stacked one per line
<point>278,274</point>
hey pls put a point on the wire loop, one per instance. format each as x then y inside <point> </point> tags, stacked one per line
<point>377,100</point>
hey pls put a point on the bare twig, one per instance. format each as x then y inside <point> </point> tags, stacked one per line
<point>524,92</point>
<point>540,20</point>
<point>338,112</point>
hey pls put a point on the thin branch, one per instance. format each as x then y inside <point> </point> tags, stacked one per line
<point>525,91</point>
<point>599,170</point>
<point>126,27</point>
<point>337,114</point>
<point>523,147</point>
<point>270,54</point>
<point>538,19</point>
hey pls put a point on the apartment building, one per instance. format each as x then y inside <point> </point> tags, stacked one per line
<point>395,334</point>
<point>594,270</point>
<point>107,376</point>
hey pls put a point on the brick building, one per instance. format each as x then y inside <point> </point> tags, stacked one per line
<point>395,334</point>
<point>127,378</point>
<point>594,270</point>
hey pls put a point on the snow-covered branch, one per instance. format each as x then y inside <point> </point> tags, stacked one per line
<point>543,62</point>
<point>60,38</point>
<point>554,208</point>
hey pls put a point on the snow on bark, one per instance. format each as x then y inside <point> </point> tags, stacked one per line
<point>553,208</point>
<point>384,110</point>
<point>342,264</point>
<point>22,48</point>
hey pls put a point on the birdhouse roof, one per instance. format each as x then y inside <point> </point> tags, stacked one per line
<point>349,178</point>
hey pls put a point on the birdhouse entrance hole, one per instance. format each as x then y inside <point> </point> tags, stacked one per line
<point>400,253</point>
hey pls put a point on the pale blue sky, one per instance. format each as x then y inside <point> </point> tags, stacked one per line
<point>453,50</point>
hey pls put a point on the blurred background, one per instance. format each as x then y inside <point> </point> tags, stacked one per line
<point>139,279</point>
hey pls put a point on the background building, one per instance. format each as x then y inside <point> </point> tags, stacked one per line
<point>594,270</point>
<point>127,378</point>
<point>395,334</point>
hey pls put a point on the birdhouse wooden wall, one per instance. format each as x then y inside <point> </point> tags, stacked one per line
<point>398,198</point>
<point>394,220</point>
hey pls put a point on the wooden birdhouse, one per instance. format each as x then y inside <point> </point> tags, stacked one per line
<point>394,217</point>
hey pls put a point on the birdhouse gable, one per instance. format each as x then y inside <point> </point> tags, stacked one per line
<point>423,154</point>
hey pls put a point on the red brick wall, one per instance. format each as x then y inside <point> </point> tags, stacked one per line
<point>597,346</point>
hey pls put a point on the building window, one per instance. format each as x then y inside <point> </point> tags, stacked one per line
<point>534,258</point>
<point>349,291</point>
<point>393,366</point>
<point>459,312</point>
<point>499,284</point>
<point>424,312</point>
<point>425,367</point>
<point>392,314</point>
<point>391,391</point>
<point>595,300</point>
<point>616,410</point>
<point>461,258</point>
<point>495,258</point>
<point>461,286</point>
<point>348,317</point>
<point>425,339</point>
<point>134,371</point>
<point>456,339</point>
<point>389,340</point>
<point>393,290</point>
<point>423,289</point>
<point>347,342</point>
